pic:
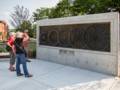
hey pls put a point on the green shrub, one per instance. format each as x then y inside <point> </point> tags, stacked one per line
<point>32,49</point>
<point>2,49</point>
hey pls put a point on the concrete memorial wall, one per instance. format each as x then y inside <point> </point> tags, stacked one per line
<point>89,42</point>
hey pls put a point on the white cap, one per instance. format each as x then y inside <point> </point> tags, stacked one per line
<point>19,35</point>
<point>12,33</point>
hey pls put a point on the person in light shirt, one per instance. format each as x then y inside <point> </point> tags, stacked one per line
<point>26,40</point>
<point>11,49</point>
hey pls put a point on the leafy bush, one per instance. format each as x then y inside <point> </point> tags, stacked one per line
<point>2,49</point>
<point>32,49</point>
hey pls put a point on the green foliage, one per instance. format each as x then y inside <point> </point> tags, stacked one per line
<point>95,6</point>
<point>21,21</point>
<point>27,25</point>
<point>24,25</point>
<point>2,47</point>
<point>0,33</point>
<point>42,13</point>
<point>2,50</point>
<point>32,49</point>
<point>33,31</point>
<point>64,8</point>
<point>19,15</point>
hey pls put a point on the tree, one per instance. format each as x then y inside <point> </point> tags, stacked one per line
<point>41,13</point>
<point>21,20</point>
<point>95,6</point>
<point>19,15</point>
<point>65,8</point>
<point>25,25</point>
<point>32,32</point>
<point>29,26</point>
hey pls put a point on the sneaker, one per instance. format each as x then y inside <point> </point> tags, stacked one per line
<point>28,60</point>
<point>20,74</point>
<point>12,69</point>
<point>28,76</point>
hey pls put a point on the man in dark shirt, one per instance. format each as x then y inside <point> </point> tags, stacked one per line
<point>20,55</point>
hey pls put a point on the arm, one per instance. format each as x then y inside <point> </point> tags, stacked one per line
<point>26,37</point>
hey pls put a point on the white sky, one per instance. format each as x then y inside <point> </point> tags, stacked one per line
<point>7,6</point>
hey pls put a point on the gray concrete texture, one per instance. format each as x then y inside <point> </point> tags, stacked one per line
<point>104,62</point>
<point>52,76</point>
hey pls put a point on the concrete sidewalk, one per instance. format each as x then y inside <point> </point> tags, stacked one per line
<point>51,76</point>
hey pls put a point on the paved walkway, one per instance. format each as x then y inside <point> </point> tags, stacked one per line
<point>51,76</point>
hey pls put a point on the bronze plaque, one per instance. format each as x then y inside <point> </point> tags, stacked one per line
<point>93,36</point>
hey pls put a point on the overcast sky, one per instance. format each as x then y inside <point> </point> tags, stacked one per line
<point>6,6</point>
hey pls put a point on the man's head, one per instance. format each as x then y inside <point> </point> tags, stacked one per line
<point>12,33</point>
